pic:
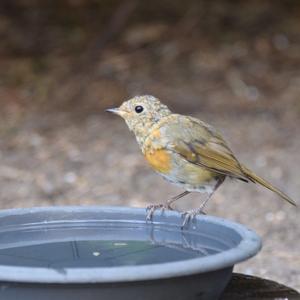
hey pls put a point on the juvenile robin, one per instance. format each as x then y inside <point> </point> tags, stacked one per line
<point>185,151</point>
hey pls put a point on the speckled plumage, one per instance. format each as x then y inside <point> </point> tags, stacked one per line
<point>183,149</point>
<point>154,111</point>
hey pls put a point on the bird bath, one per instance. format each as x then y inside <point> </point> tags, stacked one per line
<point>113,253</point>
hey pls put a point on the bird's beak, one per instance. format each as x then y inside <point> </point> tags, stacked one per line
<point>117,111</point>
<point>113,110</point>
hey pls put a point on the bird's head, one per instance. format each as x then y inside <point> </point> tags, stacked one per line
<point>141,113</point>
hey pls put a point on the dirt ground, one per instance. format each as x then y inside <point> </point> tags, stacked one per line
<point>59,147</point>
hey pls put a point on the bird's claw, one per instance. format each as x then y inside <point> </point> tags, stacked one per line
<point>150,209</point>
<point>190,215</point>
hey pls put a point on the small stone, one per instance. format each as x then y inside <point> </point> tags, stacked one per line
<point>70,177</point>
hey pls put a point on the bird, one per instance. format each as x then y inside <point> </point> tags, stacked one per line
<point>185,151</point>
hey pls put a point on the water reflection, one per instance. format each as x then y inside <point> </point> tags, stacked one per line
<point>102,245</point>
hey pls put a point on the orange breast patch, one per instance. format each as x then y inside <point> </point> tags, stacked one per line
<point>159,160</point>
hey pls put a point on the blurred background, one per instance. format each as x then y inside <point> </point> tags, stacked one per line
<point>234,64</point>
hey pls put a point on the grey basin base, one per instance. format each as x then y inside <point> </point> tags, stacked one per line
<point>199,286</point>
<point>110,253</point>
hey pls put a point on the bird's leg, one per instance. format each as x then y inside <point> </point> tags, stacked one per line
<point>179,196</point>
<point>150,209</point>
<point>173,199</point>
<point>153,207</point>
<point>191,214</point>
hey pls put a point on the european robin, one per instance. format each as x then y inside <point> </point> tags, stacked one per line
<point>185,151</point>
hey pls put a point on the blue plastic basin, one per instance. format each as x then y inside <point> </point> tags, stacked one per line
<point>113,253</point>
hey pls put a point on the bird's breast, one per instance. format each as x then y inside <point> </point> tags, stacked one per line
<point>159,160</point>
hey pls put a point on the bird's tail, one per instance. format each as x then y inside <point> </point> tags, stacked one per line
<point>256,179</point>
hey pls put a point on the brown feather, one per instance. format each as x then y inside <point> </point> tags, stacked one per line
<point>210,151</point>
<point>267,185</point>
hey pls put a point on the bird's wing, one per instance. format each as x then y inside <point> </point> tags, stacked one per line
<point>201,144</point>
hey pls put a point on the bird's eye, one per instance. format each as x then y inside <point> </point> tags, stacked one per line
<point>138,109</point>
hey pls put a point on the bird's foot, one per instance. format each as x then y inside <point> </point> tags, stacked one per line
<point>150,209</point>
<point>190,215</point>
